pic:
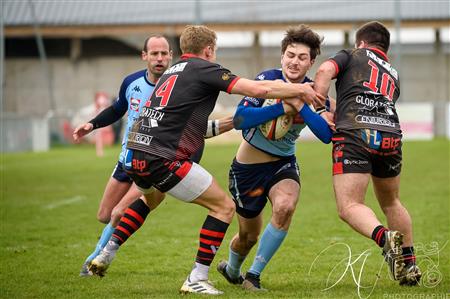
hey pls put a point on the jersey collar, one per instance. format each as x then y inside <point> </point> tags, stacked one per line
<point>146,79</point>
<point>380,53</point>
<point>189,55</point>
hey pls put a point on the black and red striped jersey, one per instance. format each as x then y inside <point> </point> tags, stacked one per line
<point>173,122</point>
<point>367,88</point>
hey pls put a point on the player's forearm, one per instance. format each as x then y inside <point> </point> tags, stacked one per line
<point>105,118</point>
<point>317,124</point>
<point>281,90</point>
<point>268,89</point>
<point>219,126</point>
<point>323,78</point>
<point>331,104</point>
<point>225,124</point>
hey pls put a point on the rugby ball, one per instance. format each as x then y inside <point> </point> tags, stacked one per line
<point>278,127</point>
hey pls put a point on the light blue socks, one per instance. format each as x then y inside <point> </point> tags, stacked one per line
<point>269,243</point>
<point>235,261</point>
<point>104,238</point>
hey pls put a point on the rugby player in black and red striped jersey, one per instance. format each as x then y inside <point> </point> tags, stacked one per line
<point>170,129</point>
<point>367,145</point>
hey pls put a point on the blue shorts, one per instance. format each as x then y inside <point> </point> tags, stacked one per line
<point>249,184</point>
<point>120,174</point>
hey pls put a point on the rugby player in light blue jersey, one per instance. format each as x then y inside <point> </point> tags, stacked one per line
<point>266,168</point>
<point>134,92</point>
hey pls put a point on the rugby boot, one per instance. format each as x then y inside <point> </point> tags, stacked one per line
<point>85,269</point>
<point>102,261</point>
<point>252,283</point>
<point>222,268</point>
<point>410,275</point>
<point>392,252</point>
<point>199,287</point>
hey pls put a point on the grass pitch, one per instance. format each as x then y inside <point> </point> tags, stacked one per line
<point>48,227</point>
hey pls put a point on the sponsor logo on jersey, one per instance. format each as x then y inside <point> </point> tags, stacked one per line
<point>261,77</point>
<point>379,110</point>
<point>254,101</point>
<point>134,104</point>
<point>373,120</point>
<point>136,88</point>
<point>225,76</point>
<point>152,117</point>
<point>140,138</point>
<point>379,107</point>
<point>152,113</point>
<point>176,68</point>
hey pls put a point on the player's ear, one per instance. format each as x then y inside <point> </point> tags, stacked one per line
<point>207,51</point>
<point>362,44</point>
<point>144,55</point>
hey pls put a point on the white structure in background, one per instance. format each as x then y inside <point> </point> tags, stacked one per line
<point>24,134</point>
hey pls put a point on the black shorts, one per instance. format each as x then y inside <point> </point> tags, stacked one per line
<point>367,151</point>
<point>120,174</point>
<point>148,170</point>
<point>249,184</point>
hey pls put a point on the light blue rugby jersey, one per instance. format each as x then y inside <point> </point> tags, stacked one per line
<point>133,94</point>
<point>284,146</point>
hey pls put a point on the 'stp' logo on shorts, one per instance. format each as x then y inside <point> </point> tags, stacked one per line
<point>139,164</point>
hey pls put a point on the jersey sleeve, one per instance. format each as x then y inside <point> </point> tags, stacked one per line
<point>216,76</point>
<point>316,124</point>
<point>250,112</point>
<point>120,105</point>
<point>340,60</point>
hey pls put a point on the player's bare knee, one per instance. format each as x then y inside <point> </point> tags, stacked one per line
<point>393,205</point>
<point>345,212</point>
<point>283,211</point>
<point>103,216</point>
<point>342,214</point>
<point>226,208</point>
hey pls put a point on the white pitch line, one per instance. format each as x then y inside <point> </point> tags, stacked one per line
<point>64,202</point>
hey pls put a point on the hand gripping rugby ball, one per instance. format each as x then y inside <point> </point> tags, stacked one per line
<point>276,128</point>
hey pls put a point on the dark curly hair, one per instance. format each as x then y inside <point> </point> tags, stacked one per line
<point>302,34</point>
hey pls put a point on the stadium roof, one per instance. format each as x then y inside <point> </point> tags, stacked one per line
<point>83,17</point>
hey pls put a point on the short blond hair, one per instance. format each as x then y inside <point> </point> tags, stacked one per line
<point>195,38</point>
